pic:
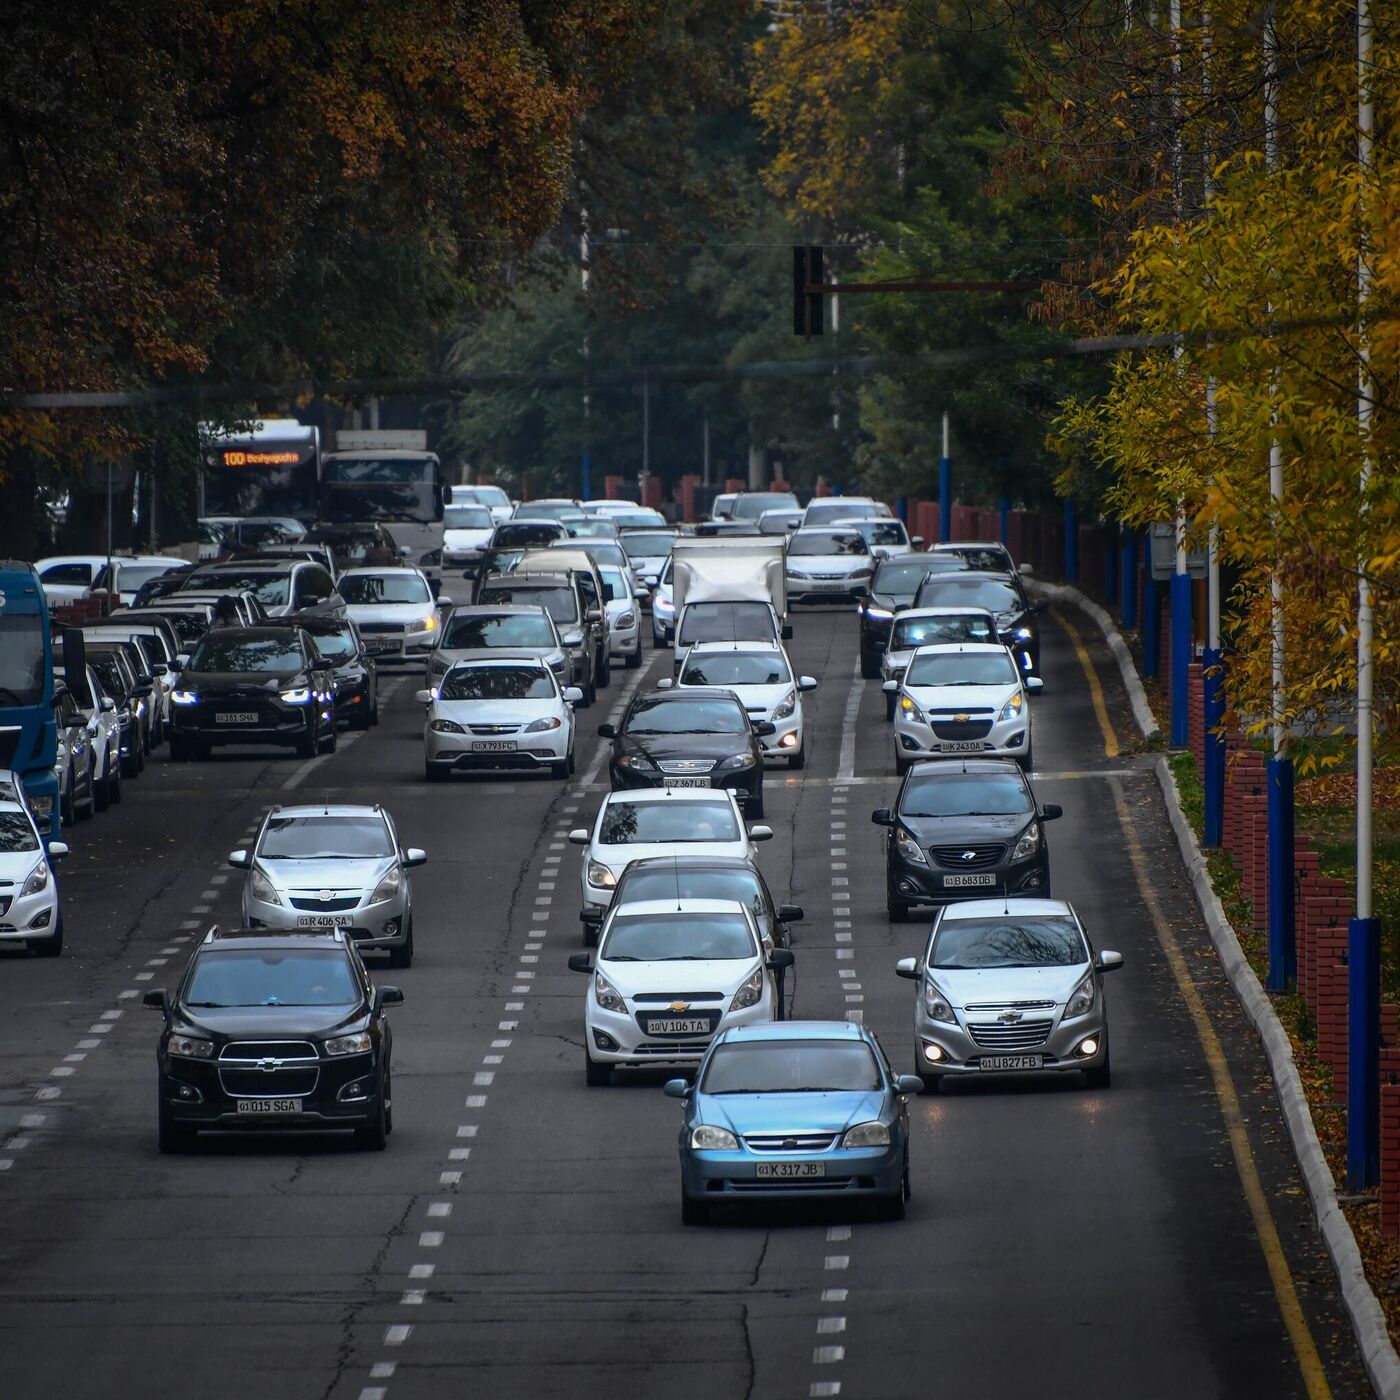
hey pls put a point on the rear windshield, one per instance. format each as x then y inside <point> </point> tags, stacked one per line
<point>1041,941</point>
<point>677,938</point>
<point>752,504</point>
<point>950,591</point>
<point>335,645</point>
<point>992,558</point>
<point>526,532</point>
<point>223,652</point>
<point>503,630</point>
<point>828,542</point>
<point>559,603</point>
<point>792,1067</point>
<point>736,668</point>
<point>961,668</point>
<point>269,589</point>
<point>466,517</point>
<point>727,622</point>
<point>496,683</point>
<point>966,795</point>
<point>882,532</point>
<point>902,577</point>
<point>628,823</point>
<point>325,837</point>
<point>912,632</point>
<point>109,673</point>
<point>250,977</point>
<point>647,544</point>
<point>385,588</point>
<point>678,882</point>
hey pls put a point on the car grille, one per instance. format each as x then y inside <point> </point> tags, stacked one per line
<point>956,857</point>
<point>961,729</point>
<point>494,728</point>
<point>685,765</point>
<point>268,1068</point>
<point>1020,1035</point>
<point>829,578</point>
<point>789,1142</point>
<point>1010,1006</point>
<point>666,998</point>
<point>317,905</point>
<point>383,629</point>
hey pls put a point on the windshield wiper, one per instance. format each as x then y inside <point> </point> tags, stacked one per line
<point>208,1005</point>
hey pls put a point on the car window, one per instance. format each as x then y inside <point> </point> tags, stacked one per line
<point>630,823</point>
<point>109,672</point>
<point>270,589</point>
<point>228,651</point>
<point>740,885</point>
<point>950,591</point>
<point>16,834</point>
<point>560,603</point>
<point>680,937</point>
<point>385,588</point>
<point>736,668</point>
<point>827,542</point>
<point>965,795</point>
<point>912,632</point>
<point>647,544</point>
<point>496,683</point>
<point>1044,940</point>
<point>961,668</point>
<point>67,574</point>
<point>258,977</point>
<point>752,504</point>
<point>901,577</point>
<point>993,558</point>
<point>652,715</point>
<point>792,1066</point>
<point>475,632</point>
<point>324,836</point>
<point>335,646</point>
<point>466,517</point>
<point>882,532</point>
<point>726,622</point>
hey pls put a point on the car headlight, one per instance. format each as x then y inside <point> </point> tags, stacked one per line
<point>797,573</point>
<point>627,619</point>
<point>735,762</point>
<point>1081,1001</point>
<point>786,706</point>
<point>937,1005</point>
<point>867,1135</point>
<point>706,1138</point>
<point>879,614</point>
<point>261,888</point>
<point>1013,707</point>
<point>445,726</point>
<point>909,848</point>
<point>349,1044</point>
<point>600,876</point>
<point>300,696</point>
<point>37,881</point>
<point>389,886</point>
<point>750,991</point>
<point>539,726</point>
<point>192,1047</point>
<point>1022,634</point>
<point>573,639</point>
<point>608,997</point>
<point>1029,843</point>
<point>638,763</point>
<point>909,710</point>
<point>180,697</point>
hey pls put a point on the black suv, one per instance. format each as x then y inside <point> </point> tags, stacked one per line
<point>1003,597</point>
<point>892,586</point>
<point>274,1031</point>
<point>354,675</point>
<point>967,829</point>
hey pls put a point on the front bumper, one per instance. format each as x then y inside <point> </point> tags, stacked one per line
<point>961,1055</point>
<point>844,588</point>
<point>616,1038</point>
<point>449,751</point>
<point>194,1096</point>
<point>284,729</point>
<point>1005,739</point>
<point>381,925</point>
<point>393,647</point>
<point>30,916</point>
<point>625,641</point>
<point>730,1177</point>
<point>924,884</point>
<point>787,738</point>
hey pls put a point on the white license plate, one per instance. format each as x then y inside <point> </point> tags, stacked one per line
<point>375,645</point>
<point>678,1025</point>
<point>1011,1061</point>
<point>236,717</point>
<point>789,1171</point>
<point>494,745</point>
<point>268,1108</point>
<point>958,882</point>
<point>324,920</point>
<point>962,746</point>
<point>686,782</point>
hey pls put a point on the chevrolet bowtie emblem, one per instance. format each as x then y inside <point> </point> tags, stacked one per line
<point>326,896</point>
<point>680,1006</point>
<point>961,719</point>
<point>1009,1018</point>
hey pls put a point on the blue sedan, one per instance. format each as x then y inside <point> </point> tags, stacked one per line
<point>794,1109</point>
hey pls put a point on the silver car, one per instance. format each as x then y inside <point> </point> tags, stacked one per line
<point>1010,986</point>
<point>332,867</point>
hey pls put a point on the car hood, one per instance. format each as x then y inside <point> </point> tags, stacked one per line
<point>647,563</point>
<point>200,681</point>
<point>617,858</point>
<point>884,599</point>
<point>452,655</point>
<point>16,865</point>
<point>319,874</point>
<point>494,711</point>
<point>832,1112</point>
<point>387,612</point>
<point>663,747</point>
<point>947,831</point>
<point>712,975</point>
<point>271,1022</point>
<point>989,985</point>
<point>757,698</point>
<point>465,539</point>
<point>962,697</point>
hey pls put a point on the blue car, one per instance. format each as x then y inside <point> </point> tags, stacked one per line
<point>789,1110</point>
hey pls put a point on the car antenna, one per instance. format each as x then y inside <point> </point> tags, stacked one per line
<point>676,870</point>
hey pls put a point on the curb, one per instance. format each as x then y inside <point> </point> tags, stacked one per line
<point>1367,1319</point>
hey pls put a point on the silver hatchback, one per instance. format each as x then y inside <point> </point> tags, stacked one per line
<point>332,867</point>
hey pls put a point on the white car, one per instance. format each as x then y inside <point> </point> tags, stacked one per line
<point>827,510</point>
<point>466,529</point>
<point>609,507</point>
<point>669,976</point>
<point>492,497</point>
<point>830,562</point>
<point>961,699</point>
<point>913,628</point>
<point>663,606</point>
<point>130,573</point>
<point>647,552</point>
<point>508,712</point>
<point>779,522</point>
<point>29,912</point>
<point>68,577</point>
<point>722,507</point>
<point>394,609</point>
<point>641,822</point>
<point>886,537</point>
<point>105,735</point>
<point>760,675</point>
<point>624,614</point>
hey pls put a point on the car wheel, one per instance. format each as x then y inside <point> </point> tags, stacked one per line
<point>374,710</point>
<point>434,774</point>
<point>171,1137</point>
<point>1024,759</point>
<point>798,759</point>
<point>114,782</point>
<point>573,762</point>
<point>596,1076</point>
<point>374,1135</point>
<point>140,759</point>
<point>48,947</point>
<point>603,669</point>
<point>694,1212</point>
<point>634,659</point>
<point>869,666</point>
<point>362,719</point>
<point>329,741</point>
<point>388,1097</point>
<point>307,745</point>
<point>199,751</point>
<point>889,709</point>
<point>102,793</point>
<point>403,957</point>
<point>1100,1077</point>
<point>754,806</point>
<point>902,764</point>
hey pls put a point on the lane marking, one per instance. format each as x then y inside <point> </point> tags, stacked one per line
<point>1110,738</point>
<point>604,751</point>
<point>846,760</point>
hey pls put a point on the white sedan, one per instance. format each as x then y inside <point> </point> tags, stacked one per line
<point>394,609</point>
<point>671,975</point>
<point>641,822</point>
<point>961,699</point>
<point>506,712</point>
<point>466,530</point>
<point>624,614</point>
<point>886,537</point>
<point>760,675</point>
<point>30,914</point>
<point>828,563</point>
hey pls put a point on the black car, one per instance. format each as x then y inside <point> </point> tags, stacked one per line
<point>697,737</point>
<point>254,685</point>
<point>353,671</point>
<point>893,585</point>
<point>964,830</point>
<point>1003,597</point>
<point>274,1031</point>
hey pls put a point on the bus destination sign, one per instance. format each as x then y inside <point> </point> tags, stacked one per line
<point>240,458</point>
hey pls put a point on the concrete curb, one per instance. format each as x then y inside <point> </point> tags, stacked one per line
<point>1367,1319</point>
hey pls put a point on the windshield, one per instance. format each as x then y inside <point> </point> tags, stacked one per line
<point>828,542</point>
<point>486,495</point>
<point>335,646</point>
<point>961,668</point>
<point>792,1067</point>
<point>882,532</point>
<point>841,508</point>
<point>526,532</point>
<point>631,823</point>
<point>467,517</point>
<point>966,795</point>
<point>384,588</point>
<point>369,488</point>
<point>991,557</point>
<point>232,651</point>
<point>1043,940</point>
<point>496,683</point>
<point>636,519</point>
<point>325,836</point>
<point>269,589</point>
<point>752,504</point>
<point>902,577</point>
<point>954,592</point>
<point>23,659</point>
<point>16,834</point>
<point>679,882</point>
<point>678,938</point>
<point>615,585</point>
<point>659,715</point>
<point>727,622</point>
<point>504,630</point>
<point>559,603</point>
<point>736,668</point>
<point>545,510</point>
<point>109,672</point>
<point>130,577</point>
<point>188,626</point>
<point>648,544</point>
<point>912,632</point>
<point>249,977</point>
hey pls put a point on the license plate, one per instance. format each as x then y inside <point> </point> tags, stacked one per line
<point>962,746</point>
<point>957,882</point>
<point>495,745</point>
<point>686,782</point>
<point>374,645</point>
<point>323,920</point>
<point>268,1108</point>
<point>678,1025</point>
<point>1011,1061</point>
<point>789,1171</point>
<point>236,717</point>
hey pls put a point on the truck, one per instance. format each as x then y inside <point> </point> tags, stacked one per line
<point>728,588</point>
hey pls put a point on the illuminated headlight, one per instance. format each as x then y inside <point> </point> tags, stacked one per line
<point>937,1005</point>
<point>706,1138</point>
<point>428,623</point>
<point>786,706</point>
<point>1029,843</point>
<point>879,614</point>
<point>909,848</point>
<point>608,997</point>
<point>867,1135</point>
<point>600,876</point>
<point>1022,634</point>
<point>637,763</point>
<point>1013,707</point>
<point>349,1044</point>
<point>735,762</point>
<point>37,881</point>
<point>180,697</point>
<point>190,1046</point>
<point>539,726</point>
<point>1081,1001</point>
<point>797,573</point>
<point>445,726</point>
<point>261,888</point>
<point>750,991</point>
<point>388,887</point>
<point>300,696</point>
<point>909,710</point>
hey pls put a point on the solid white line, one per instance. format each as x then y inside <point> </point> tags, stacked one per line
<point>846,762</point>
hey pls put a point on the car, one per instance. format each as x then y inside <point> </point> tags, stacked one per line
<point>917,627</point>
<point>586,576</point>
<point>722,507</point>
<point>691,738</point>
<point>254,685</point>
<point>394,609</point>
<point>129,573</point>
<point>29,909</point>
<point>608,506</point>
<point>282,586</point>
<point>893,587</point>
<point>478,633</point>
<point>189,622</point>
<point>502,712</point>
<point>886,537</point>
<point>661,822</point>
<point>1010,986</point>
<point>779,522</point>
<point>67,577</point>
<point>960,698</point>
<point>969,829</point>
<point>559,592</point>
<point>828,563</point>
<point>492,497</point>
<point>825,510</point>
<point>600,550</point>
<point>251,530</point>
<point>332,866</point>
<point>316,553</point>
<point>546,508</point>
<point>158,644</point>
<point>354,674</point>
<point>526,533</point>
<point>74,761</point>
<point>985,556</point>
<point>751,505</point>
<point>602,528</point>
<point>761,678</point>
<point>744,620</point>
<point>237,609</point>
<point>274,1032</point>
<point>467,528</point>
<point>118,684</point>
<point>668,977</point>
<point>353,545</point>
<point>642,518</point>
<point>1002,596</point>
<point>99,710</point>
<point>624,615</point>
<point>794,1110</point>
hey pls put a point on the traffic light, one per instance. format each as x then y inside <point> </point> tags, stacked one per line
<point>806,306</point>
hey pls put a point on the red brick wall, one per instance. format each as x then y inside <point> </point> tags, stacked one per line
<point>613,487</point>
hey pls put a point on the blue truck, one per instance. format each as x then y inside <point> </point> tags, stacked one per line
<point>28,725</point>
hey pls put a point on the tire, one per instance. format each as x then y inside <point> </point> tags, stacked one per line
<point>374,1135</point>
<point>329,741</point>
<point>362,719</point>
<point>307,745</point>
<point>140,759</point>
<point>88,810</point>
<point>374,710</point>
<point>403,957</point>
<point>889,708</point>
<point>902,764</point>
<point>933,1083</point>
<point>798,759</point>
<point>634,659</point>
<point>171,1137</point>
<point>199,751</point>
<point>389,1098</point>
<point>1101,1077</point>
<point>604,672</point>
<point>694,1212</point>
<point>66,815</point>
<point>897,909</point>
<point>869,669</point>
<point>114,783</point>
<point>754,806</point>
<point>893,1207</point>
<point>48,947</point>
<point>1025,760</point>
<point>179,752</point>
<point>590,694</point>
<point>594,1075</point>
<point>573,762</point>
<point>561,769</point>
<point>102,792</point>
<point>434,774</point>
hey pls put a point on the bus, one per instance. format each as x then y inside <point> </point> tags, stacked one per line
<point>273,469</point>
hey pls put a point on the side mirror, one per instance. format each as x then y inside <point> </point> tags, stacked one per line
<point>1107,961</point>
<point>415,855</point>
<point>882,816</point>
<point>579,836</point>
<point>443,601</point>
<point>1025,569</point>
<point>1050,811</point>
<point>806,682</point>
<point>387,996</point>
<point>240,860</point>
<point>890,687</point>
<point>641,594</point>
<point>665,683</point>
<point>787,632</point>
<point>607,731</point>
<point>791,913</point>
<point>917,541</point>
<point>182,660</point>
<point>764,728</point>
<point>156,999</point>
<point>160,669</point>
<point>404,552</point>
<point>1033,684</point>
<point>677,1088</point>
<point>760,833</point>
<point>781,957</point>
<point>573,695</point>
<point>908,967</point>
<point>425,697</point>
<point>908,1084</point>
<point>107,704</point>
<point>57,850</point>
<point>594,615</point>
<point>580,962</point>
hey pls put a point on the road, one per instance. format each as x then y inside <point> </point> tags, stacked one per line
<point>521,1236</point>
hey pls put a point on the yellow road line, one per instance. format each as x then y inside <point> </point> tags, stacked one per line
<point>1110,739</point>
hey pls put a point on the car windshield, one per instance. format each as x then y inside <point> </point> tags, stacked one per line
<point>961,668</point>
<point>188,626</point>
<point>264,977</point>
<point>496,683</point>
<point>325,836</point>
<point>269,589</point>
<point>636,519</point>
<point>519,533</point>
<point>752,504</point>
<point>1041,940</point>
<point>902,577</point>
<point>736,668</point>
<point>476,632</point>
<point>487,495</point>
<point>602,552</point>
<point>677,882</point>
<point>23,659</point>
<point>828,542</point>
<point>466,517</point>
<point>682,937</point>
<point>335,646</point>
<point>727,622</point>
<point>16,834</point>
<point>385,588</point>
<point>993,558</point>
<point>953,592</point>
<point>882,532</point>
<point>966,795</point>
<point>130,577</point>
<point>545,510</point>
<point>792,1067</point>
<point>109,673</point>
<point>660,715</point>
<point>648,544</point>
<point>633,823</point>
<point>559,603</point>
<point>232,651</point>
<point>912,632</point>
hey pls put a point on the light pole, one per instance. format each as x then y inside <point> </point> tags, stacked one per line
<point>945,489</point>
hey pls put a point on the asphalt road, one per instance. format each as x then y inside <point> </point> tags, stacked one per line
<point>521,1236</point>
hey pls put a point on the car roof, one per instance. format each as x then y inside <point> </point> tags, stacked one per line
<point>536,577</point>
<point>907,613</point>
<point>692,692</point>
<point>666,795</point>
<point>328,809</point>
<point>969,544</point>
<point>837,527</point>
<point>261,632</point>
<point>996,908</point>
<point>644,907</point>
<point>495,609</point>
<point>260,939</point>
<point>971,576</point>
<point>491,656</point>
<point>944,768</point>
<point>752,644</point>
<point>947,648</point>
<point>794,1030</point>
<point>691,862</point>
<point>378,570</point>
